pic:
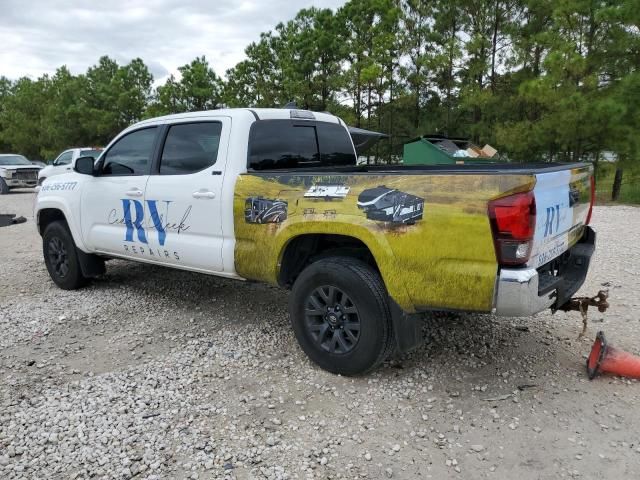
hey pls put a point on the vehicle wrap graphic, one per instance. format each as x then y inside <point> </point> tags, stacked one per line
<point>389,205</point>
<point>444,257</point>
<point>139,234</point>
<point>327,192</point>
<point>58,186</point>
<point>264,210</point>
<point>562,203</point>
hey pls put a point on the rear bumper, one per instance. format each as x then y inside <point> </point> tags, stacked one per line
<point>527,291</point>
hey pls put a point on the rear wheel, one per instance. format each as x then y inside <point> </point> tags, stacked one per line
<point>340,315</point>
<point>61,258</point>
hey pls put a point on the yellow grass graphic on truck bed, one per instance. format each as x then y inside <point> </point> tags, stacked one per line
<point>433,246</point>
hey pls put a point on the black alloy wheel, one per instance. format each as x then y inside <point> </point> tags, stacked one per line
<point>58,257</point>
<point>332,319</point>
<point>61,256</point>
<point>339,311</point>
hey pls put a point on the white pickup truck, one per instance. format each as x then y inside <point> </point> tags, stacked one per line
<point>275,195</point>
<point>65,162</point>
<point>16,172</point>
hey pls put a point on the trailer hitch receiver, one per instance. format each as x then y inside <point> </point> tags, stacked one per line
<point>582,304</point>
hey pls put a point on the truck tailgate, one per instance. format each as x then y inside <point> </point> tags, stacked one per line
<point>562,206</point>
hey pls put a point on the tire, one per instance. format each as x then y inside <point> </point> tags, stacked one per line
<point>4,188</point>
<point>61,258</point>
<point>346,330</point>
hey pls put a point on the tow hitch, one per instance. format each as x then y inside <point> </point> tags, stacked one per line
<point>582,304</point>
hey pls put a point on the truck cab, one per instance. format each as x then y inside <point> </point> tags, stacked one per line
<point>65,162</point>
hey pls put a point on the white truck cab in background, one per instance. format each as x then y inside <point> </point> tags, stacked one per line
<point>65,162</point>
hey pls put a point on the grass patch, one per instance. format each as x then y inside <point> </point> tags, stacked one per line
<point>629,190</point>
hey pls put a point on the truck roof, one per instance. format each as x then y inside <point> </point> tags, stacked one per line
<point>257,113</point>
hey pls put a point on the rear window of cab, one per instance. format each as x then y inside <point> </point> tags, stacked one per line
<point>286,144</point>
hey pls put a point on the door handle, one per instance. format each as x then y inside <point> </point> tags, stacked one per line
<point>204,194</point>
<point>134,192</point>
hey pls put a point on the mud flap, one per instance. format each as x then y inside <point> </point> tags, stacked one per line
<point>407,329</point>
<point>91,265</point>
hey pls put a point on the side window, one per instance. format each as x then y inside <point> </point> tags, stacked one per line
<point>335,145</point>
<point>131,154</point>
<point>190,148</point>
<point>282,144</point>
<point>63,159</point>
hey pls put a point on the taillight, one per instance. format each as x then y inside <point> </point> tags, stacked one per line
<point>592,200</point>
<point>513,221</point>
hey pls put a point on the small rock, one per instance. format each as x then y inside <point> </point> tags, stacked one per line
<point>477,448</point>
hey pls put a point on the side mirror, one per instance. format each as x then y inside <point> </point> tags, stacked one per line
<point>84,165</point>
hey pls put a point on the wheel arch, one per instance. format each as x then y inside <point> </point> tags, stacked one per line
<point>304,248</point>
<point>47,212</point>
<point>46,216</point>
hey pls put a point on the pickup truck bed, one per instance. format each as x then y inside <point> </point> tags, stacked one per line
<point>462,169</point>
<point>438,251</point>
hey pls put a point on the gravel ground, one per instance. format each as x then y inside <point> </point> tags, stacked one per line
<point>154,373</point>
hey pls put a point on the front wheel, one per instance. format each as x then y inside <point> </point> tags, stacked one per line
<point>61,257</point>
<point>340,315</point>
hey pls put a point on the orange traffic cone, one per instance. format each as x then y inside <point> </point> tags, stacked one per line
<point>607,359</point>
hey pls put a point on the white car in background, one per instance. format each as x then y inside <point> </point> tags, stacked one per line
<point>65,162</point>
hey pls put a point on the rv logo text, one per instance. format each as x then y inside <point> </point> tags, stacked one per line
<point>133,220</point>
<point>553,217</point>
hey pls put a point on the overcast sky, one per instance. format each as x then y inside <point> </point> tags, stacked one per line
<point>38,36</point>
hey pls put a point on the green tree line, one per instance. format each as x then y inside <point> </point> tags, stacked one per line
<point>541,80</point>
